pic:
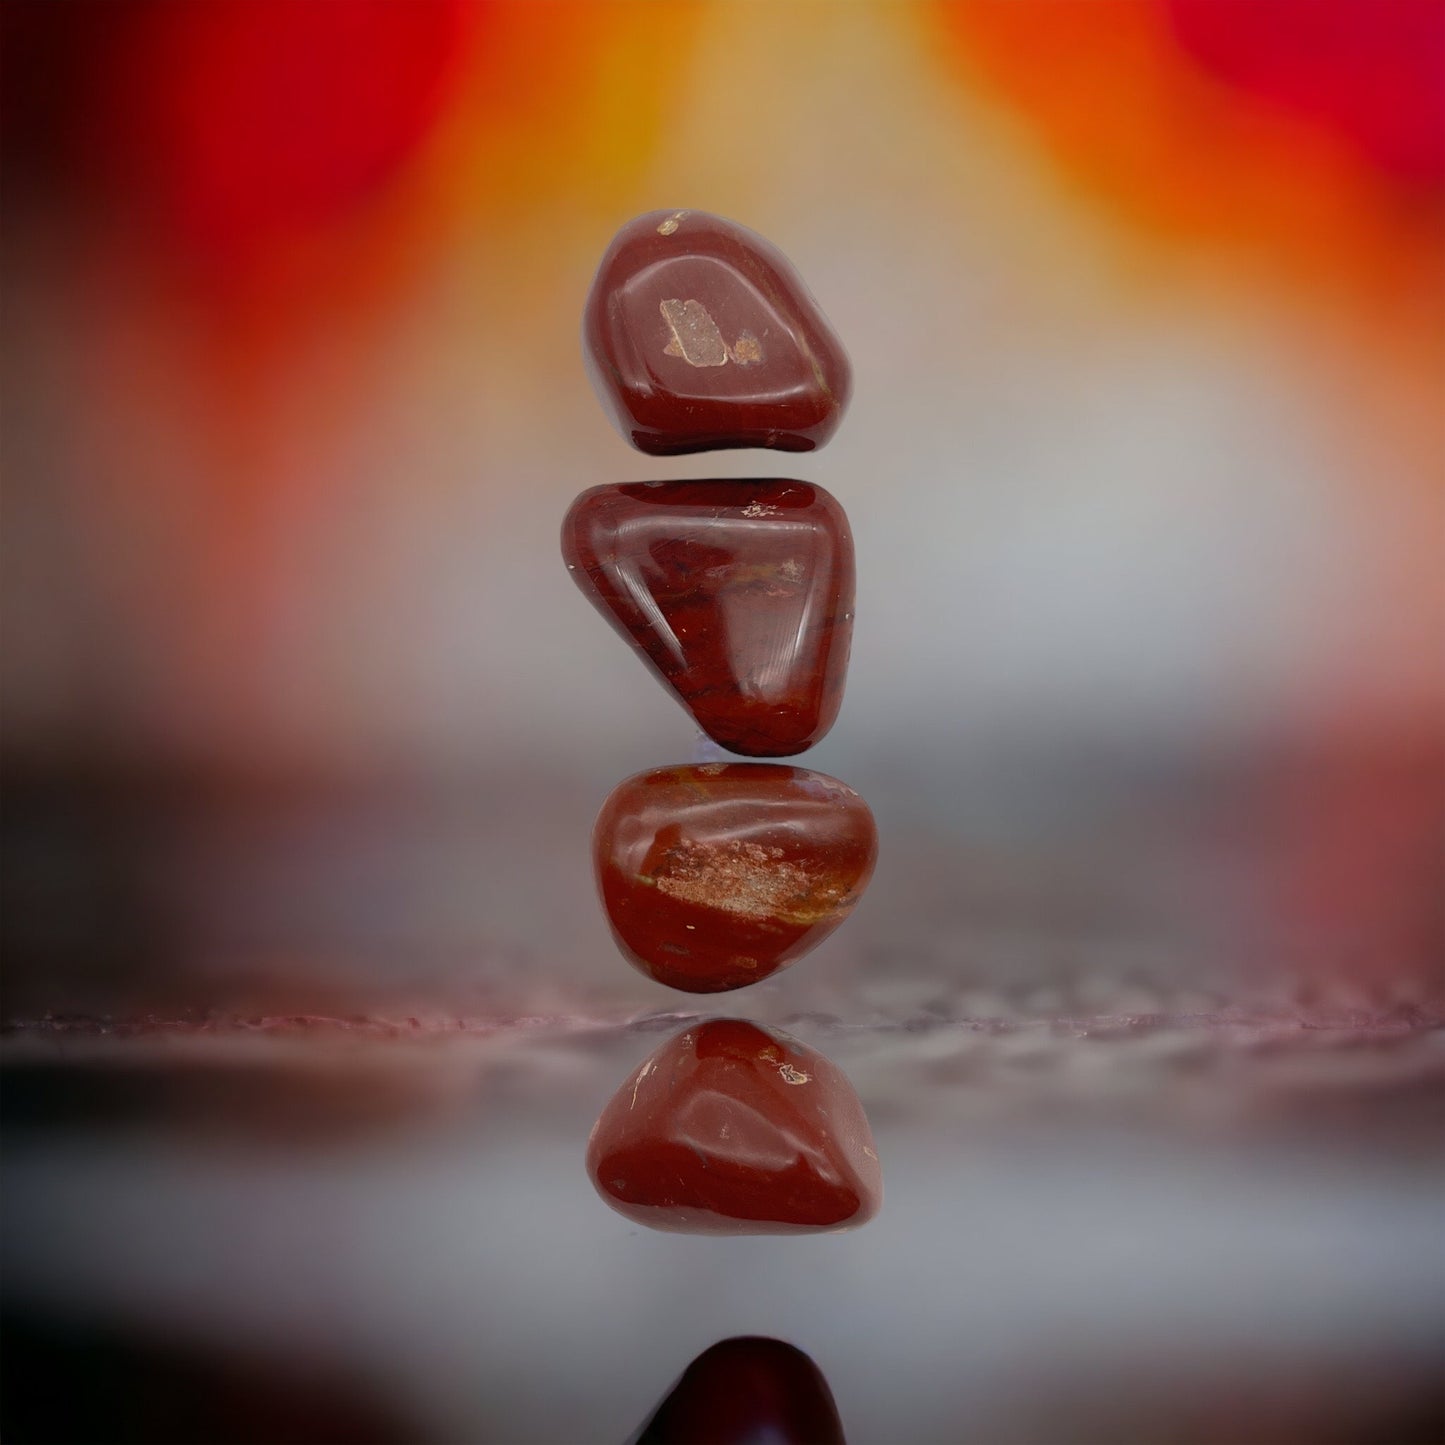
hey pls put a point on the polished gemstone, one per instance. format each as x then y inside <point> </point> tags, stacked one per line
<point>731,1128</point>
<point>737,594</point>
<point>747,1391</point>
<point>715,875</point>
<point>699,334</point>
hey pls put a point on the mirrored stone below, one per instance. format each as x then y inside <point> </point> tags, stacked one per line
<point>731,1128</point>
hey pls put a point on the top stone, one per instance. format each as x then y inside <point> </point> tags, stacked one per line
<point>699,334</point>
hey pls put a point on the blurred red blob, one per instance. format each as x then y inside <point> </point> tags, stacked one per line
<point>233,122</point>
<point>258,117</point>
<point>1373,71</point>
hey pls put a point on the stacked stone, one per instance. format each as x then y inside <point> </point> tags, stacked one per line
<point>738,596</point>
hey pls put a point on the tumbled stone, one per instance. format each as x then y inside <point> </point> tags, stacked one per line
<point>731,1128</point>
<point>699,334</point>
<point>715,875</point>
<point>738,595</point>
<point>746,1391</point>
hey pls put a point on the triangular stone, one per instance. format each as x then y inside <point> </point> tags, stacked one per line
<point>737,594</point>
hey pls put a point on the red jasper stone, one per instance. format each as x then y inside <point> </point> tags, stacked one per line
<point>715,875</point>
<point>746,1391</point>
<point>737,595</point>
<point>699,334</point>
<point>733,1129</point>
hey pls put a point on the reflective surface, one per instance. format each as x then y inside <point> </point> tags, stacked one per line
<point>699,334</point>
<point>1129,1201</point>
<point>747,1391</point>
<point>715,875</point>
<point>731,1128</point>
<point>737,594</point>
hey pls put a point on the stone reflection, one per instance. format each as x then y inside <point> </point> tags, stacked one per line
<point>731,1128</point>
<point>744,1391</point>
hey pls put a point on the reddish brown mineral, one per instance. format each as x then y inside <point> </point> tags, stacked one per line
<point>737,594</point>
<point>745,1391</point>
<point>699,334</point>
<point>733,1129</point>
<point>715,875</point>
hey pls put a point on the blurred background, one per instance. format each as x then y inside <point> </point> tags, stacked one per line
<point>308,1002</point>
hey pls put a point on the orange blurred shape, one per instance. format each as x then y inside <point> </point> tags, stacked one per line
<point>1283,124</point>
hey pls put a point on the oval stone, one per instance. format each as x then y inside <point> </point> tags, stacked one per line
<point>715,875</point>
<point>731,1128</point>
<point>699,334</point>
